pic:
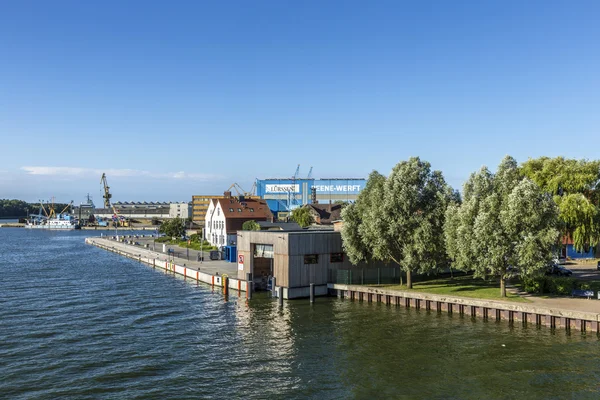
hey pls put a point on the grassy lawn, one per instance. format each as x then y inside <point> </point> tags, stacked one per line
<point>184,244</point>
<point>465,286</point>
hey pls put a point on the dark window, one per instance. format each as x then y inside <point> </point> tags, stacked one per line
<point>311,259</point>
<point>336,257</point>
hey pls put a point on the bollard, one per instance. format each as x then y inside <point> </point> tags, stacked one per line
<point>312,292</point>
<point>249,285</point>
<point>225,285</point>
<point>273,290</point>
<point>280,295</point>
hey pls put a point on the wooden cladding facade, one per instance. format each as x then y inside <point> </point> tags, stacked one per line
<point>290,249</point>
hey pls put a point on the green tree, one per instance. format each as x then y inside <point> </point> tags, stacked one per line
<point>575,185</point>
<point>250,226</point>
<point>355,234</point>
<point>504,221</point>
<point>173,228</point>
<point>401,219</point>
<point>302,216</point>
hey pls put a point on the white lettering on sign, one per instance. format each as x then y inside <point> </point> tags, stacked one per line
<point>337,188</point>
<point>282,188</point>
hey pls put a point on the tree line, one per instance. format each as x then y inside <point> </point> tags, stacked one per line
<point>513,219</point>
<point>19,208</point>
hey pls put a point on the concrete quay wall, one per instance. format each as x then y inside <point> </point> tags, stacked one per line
<point>526,314</point>
<point>185,271</point>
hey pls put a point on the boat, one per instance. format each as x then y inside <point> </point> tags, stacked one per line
<point>51,219</point>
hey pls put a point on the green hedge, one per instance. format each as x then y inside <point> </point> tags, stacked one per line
<point>553,285</point>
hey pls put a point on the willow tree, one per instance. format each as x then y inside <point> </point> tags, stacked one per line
<point>400,219</point>
<point>504,221</point>
<point>355,234</point>
<point>575,185</point>
<point>302,216</point>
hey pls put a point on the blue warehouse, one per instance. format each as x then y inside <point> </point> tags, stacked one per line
<point>283,195</point>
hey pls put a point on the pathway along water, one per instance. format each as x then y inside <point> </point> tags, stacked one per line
<point>77,322</point>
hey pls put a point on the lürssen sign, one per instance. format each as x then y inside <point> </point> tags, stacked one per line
<point>291,188</point>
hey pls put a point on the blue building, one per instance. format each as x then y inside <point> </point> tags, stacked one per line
<point>283,195</point>
<point>568,250</point>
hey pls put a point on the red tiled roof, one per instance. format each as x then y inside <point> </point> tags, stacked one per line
<point>238,211</point>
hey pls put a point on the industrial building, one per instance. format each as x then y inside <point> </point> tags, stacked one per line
<point>182,210</point>
<point>284,195</point>
<point>200,205</point>
<point>145,210</point>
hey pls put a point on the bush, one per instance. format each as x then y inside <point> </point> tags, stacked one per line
<point>551,285</point>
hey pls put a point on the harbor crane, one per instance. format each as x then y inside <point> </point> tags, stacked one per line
<point>107,194</point>
<point>240,191</point>
<point>119,220</point>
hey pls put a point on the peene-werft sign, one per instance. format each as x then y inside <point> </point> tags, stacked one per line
<point>295,188</point>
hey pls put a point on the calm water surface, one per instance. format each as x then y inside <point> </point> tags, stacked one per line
<point>77,322</point>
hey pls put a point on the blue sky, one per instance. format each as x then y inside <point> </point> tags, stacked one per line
<point>172,99</point>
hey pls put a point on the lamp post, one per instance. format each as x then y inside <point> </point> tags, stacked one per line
<point>202,248</point>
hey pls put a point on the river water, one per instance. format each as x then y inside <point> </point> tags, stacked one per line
<point>77,322</point>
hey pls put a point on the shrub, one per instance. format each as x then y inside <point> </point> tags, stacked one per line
<point>551,285</point>
<point>532,285</point>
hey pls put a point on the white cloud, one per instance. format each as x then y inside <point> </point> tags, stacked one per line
<point>63,172</point>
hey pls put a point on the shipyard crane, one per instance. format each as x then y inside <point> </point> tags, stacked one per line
<point>309,176</point>
<point>292,200</point>
<point>107,194</point>
<point>297,172</point>
<point>240,191</point>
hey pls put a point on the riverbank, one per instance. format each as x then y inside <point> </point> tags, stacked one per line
<point>12,225</point>
<point>563,313</point>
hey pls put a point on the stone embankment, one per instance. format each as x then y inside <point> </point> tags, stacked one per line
<point>526,314</point>
<point>219,273</point>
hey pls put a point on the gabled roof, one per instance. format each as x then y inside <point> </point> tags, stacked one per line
<point>246,208</point>
<point>327,212</point>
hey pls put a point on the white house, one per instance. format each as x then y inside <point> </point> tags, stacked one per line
<point>224,217</point>
<point>215,223</point>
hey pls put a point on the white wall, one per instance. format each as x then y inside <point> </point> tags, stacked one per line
<point>182,210</point>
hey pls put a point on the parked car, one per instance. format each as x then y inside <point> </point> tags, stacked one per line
<point>558,270</point>
<point>560,260</point>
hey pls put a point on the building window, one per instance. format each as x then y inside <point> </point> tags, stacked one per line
<point>311,259</point>
<point>336,257</point>
<point>231,210</point>
<point>251,209</point>
<point>218,211</point>
<point>239,210</point>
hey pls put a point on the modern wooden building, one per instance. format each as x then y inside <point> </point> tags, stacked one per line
<point>295,258</point>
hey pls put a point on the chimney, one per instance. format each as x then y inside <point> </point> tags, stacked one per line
<point>227,195</point>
